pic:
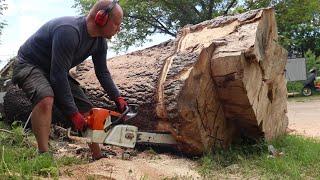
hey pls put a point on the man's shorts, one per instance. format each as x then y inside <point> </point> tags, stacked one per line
<point>34,82</point>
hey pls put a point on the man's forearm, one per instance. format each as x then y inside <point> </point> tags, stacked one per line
<point>63,94</point>
<point>109,86</point>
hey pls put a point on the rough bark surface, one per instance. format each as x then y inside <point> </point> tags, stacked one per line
<point>17,107</point>
<point>218,81</point>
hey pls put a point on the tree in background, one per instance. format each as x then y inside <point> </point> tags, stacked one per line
<point>3,7</point>
<point>144,17</point>
<point>298,20</point>
<point>298,23</point>
<point>312,61</point>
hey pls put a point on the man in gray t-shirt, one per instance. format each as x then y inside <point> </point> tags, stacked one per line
<point>44,61</point>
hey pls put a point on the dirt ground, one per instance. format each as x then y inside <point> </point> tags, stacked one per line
<point>304,119</point>
<point>304,116</point>
<point>142,166</point>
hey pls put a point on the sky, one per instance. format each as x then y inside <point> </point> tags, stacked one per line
<point>24,17</point>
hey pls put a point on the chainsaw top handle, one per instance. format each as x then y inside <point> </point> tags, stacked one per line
<point>130,112</point>
<point>121,118</point>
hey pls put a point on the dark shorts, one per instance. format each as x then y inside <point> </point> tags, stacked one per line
<point>34,82</point>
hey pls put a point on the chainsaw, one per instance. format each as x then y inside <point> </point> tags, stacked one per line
<point>109,128</point>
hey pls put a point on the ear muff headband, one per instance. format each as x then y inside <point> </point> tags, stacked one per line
<point>102,16</point>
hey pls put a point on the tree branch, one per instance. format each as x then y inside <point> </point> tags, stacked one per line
<point>203,5</point>
<point>196,11</point>
<point>165,29</point>
<point>169,3</point>
<point>183,10</point>
<point>161,27</point>
<point>210,9</point>
<point>229,6</point>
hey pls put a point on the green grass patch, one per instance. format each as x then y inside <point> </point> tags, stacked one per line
<point>295,86</point>
<point>300,98</point>
<point>20,160</point>
<point>301,160</point>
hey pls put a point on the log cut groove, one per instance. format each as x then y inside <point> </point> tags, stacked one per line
<point>218,81</point>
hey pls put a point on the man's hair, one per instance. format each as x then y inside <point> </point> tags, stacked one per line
<point>101,4</point>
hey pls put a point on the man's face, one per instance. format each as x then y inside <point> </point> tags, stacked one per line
<point>113,25</point>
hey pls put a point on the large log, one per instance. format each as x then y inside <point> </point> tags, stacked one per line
<point>218,81</point>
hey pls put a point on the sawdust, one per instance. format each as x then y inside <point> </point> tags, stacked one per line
<point>143,166</point>
<point>303,119</point>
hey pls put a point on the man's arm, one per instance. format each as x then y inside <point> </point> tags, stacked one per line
<point>64,45</point>
<point>103,74</point>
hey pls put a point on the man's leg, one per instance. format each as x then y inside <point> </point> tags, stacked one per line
<point>34,83</point>
<point>94,147</point>
<point>95,150</point>
<point>41,121</point>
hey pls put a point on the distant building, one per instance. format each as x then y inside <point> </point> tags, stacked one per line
<point>296,69</point>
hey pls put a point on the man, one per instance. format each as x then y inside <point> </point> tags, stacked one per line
<point>44,61</point>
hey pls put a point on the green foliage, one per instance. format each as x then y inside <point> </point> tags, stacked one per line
<point>298,23</point>
<point>19,159</point>
<point>312,61</point>
<point>295,86</point>
<point>83,5</point>
<point>300,160</point>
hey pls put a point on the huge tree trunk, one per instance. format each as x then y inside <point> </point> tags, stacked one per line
<point>216,82</point>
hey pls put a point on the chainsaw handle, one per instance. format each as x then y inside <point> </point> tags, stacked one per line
<point>119,120</point>
<point>130,112</point>
<point>122,115</point>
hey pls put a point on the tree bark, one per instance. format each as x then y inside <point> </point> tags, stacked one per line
<point>218,81</point>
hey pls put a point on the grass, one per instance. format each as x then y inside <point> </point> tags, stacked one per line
<point>19,158</point>
<point>301,160</point>
<point>295,86</point>
<point>300,98</point>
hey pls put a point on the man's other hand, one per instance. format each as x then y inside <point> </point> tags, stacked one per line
<point>121,104</point>
<point>78,121</point>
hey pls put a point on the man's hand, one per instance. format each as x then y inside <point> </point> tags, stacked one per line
<point>121,104</point>
<point>78,121</point>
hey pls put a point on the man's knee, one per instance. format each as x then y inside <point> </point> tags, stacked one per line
<point>46,103</point>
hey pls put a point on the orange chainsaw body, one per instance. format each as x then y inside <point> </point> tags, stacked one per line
<point>109,127</point>
<point>98,117</point>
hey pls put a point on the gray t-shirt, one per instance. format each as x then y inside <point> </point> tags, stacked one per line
<point>60,45</point>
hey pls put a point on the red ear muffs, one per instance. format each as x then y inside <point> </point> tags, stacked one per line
<point>101,18</point>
